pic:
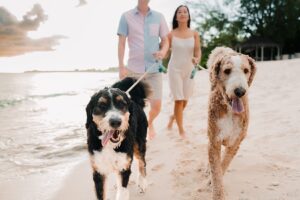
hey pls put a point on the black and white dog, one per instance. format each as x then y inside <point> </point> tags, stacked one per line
<point>116,130</point>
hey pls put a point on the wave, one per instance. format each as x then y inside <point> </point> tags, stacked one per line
<point>12,102</point>
<point>9,102</point>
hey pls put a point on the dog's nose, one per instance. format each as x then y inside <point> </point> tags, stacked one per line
<point>239,92</point>
<point>115,122</point>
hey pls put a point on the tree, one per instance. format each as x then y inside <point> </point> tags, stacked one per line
<point>216,23</point>
<point>278,20</point>
<point>234,21</point>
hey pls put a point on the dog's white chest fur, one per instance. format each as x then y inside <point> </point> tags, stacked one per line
<point>230,128</point>
<point>108,161</point>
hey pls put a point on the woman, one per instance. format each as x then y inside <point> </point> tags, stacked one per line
<point>185,54</point>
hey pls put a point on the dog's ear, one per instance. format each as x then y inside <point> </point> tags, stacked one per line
<point>89,111</point>
<point>215,71</point>
<point>253,69</point>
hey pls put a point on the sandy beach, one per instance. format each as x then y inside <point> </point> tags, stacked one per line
<point>265,168</point>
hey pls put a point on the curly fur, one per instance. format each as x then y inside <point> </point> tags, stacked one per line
<point>231,75</point>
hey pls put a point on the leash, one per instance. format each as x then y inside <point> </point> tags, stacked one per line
<point>197,67</point>
<point>202,68</point>
<point>160,69</point>
<point>163,69</point>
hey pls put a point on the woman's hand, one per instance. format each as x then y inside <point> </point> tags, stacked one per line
<point>195,60</point>
<point>159,55</point>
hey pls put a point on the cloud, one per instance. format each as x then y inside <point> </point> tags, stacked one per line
<point>81,3</point>
<point>13,33</point>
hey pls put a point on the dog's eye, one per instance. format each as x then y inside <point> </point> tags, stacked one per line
<point>97,111</point>
<point>121,105</point>
<point>227,71</point>
<point>102,106</point>
<point>246,71</point>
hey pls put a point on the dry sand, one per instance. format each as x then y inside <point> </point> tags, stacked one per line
<point>267,166</point>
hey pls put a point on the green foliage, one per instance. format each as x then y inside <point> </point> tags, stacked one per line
<point>233,21</point>
<point>215,25</point>
<point>278,20</point>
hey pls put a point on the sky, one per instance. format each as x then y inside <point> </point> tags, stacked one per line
<point>65,34</point>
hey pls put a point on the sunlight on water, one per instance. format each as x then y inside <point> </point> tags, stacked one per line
<point>42,119</point>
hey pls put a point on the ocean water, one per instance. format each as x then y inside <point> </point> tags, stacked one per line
<point>42,117</point>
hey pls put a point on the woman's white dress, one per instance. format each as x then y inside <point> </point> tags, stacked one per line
<point>180,68</point>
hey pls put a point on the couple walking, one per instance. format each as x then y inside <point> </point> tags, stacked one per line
<point>149,41</point>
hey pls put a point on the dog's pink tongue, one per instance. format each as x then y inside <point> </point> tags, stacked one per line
<point>106,137</point>
<point>237,105</point>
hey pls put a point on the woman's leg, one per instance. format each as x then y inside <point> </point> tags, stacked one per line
<point>184,104</point>
<point>178,112</point>
<point>172,117</point>
<point>170,123</point>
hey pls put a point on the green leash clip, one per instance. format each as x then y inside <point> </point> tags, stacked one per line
<point>162,69</point>
<point>193,73</point>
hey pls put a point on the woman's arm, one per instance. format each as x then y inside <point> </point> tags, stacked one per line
<point>170,45</point>
<point>197,49</point>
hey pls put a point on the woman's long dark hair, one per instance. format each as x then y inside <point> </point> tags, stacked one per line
<point>175,22</point>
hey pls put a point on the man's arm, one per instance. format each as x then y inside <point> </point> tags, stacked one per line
<point>164,44</point>
<point>121,53</point>
<point>122,33</point>
<point>164,47</point>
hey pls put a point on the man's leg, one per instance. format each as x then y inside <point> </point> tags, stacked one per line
<point>155,106</point>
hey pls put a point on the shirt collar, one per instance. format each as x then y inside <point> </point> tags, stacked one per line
<point>136,11</point>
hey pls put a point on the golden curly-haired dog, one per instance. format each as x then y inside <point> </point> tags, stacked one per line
<point>231,75</point>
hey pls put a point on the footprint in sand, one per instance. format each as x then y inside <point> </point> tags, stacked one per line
<point>274,184</point>
<point>132,182</point>
<point>187,141</point>
<point>157,167</point>
<point>182,142</point>
<point>148,159</point>
<point>204,174</point>
<point>189,126</point>
<point>207,172</point>
<point>187,162</point>
<point>154,151</point>
<point>205,188</point>
<point>171,134</point>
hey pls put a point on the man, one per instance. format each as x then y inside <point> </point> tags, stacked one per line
<point>143,27</point>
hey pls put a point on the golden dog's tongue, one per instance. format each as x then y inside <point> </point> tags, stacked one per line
<point>237,105</point>
<point>106,137</point>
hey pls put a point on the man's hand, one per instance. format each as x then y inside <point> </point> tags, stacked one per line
<point>122,72</point>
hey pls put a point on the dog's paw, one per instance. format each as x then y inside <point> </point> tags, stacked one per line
<point>142,184</point>
<point>122,194</point>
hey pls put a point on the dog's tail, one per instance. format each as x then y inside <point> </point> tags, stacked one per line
<point>138,94</point>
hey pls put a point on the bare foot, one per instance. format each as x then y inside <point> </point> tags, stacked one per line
<point>182,135</point>
<point>170,124</point>
<point>151,132</point>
